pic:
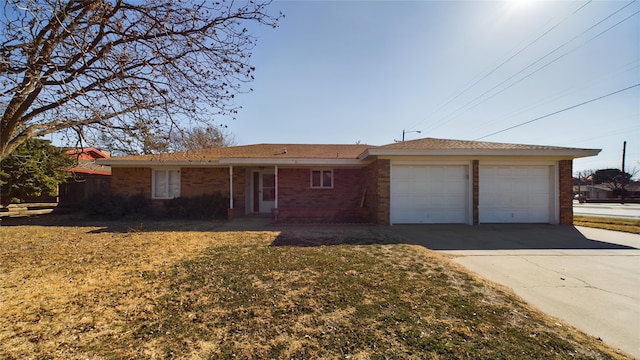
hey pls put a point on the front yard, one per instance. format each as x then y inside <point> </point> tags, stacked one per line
<point>154,291</point>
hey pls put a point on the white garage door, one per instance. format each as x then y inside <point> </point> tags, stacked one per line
<point>514,194</point>
<point>428,194</point>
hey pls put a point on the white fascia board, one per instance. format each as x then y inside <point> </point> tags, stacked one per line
<point>235,161</point>
<point>572,153</point>
<point>147,163</point>
<point>291,162</point>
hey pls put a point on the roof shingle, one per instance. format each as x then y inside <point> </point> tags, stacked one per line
<point>259,151</point>
<point>342,151</point>
<point>446,144</point>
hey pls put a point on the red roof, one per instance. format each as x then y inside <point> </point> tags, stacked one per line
<point>88,154</point>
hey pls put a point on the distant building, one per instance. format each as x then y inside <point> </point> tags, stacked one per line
<point>604,192</point>
<point>88,178</point>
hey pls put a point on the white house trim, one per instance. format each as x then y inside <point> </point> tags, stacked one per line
<point>574,153</point>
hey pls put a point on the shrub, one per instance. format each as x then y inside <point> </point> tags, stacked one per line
<point>116,206</point>
<point>105,206</point>
<point>208,206</point>
<point>139,205</point>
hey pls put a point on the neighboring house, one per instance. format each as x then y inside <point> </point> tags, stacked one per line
<point>604,192</point>
<point>633,190</point>
<point>593,192</point>
<point>88,178</point>
<point>419,181</point>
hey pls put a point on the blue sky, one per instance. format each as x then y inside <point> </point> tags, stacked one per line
<point>343,72</point>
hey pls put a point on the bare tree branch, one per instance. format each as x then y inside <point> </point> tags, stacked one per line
<point>122,68</point>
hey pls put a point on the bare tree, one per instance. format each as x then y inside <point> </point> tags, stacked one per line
<point>124,69</point>
<point>614,179</point>
<point>202,138</point>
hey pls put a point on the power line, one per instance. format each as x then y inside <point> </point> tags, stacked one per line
<point>559,111</point>
<point>557,95</point>
<point>503,63</point>
<point>540,68</point>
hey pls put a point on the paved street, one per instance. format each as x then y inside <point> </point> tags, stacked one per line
<point>589,278</point>
<point>624,211</point>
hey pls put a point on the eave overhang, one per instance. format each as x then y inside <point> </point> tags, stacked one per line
<point>91,172</point>
<point>559,153</point>
<point>225,162</point>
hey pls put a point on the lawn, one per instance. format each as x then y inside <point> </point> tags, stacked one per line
<point>156,291</point>
<point>626,225</point>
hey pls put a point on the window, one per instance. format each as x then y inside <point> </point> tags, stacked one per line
<point>166,184</point>
<point>321,179</point>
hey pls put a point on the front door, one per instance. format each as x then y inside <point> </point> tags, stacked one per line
<point>265,196</point>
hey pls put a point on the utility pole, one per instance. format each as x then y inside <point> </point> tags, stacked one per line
<point>624,177</point>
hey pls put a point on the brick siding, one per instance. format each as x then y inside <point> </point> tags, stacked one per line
<point>131,181</point>
<point>201,181</point>
<point>294,189</point>
<point>565,173</point>
<point>377,176</point>
<point>193,182</point>
<point>239,182</point>
<point>298,202</point>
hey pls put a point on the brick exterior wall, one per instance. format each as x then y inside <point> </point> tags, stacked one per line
<point>371,197</point>
<point>239,183</point>
<point>377,177</point>
<point>298,202</point>
<point>200,181</point>
<point>193,182</point>
<point>131,181</point>
<point>475,166</point>
<point>294,189</point>
<point>565,174</point>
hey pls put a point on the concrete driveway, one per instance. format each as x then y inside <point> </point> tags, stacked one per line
<point>589,278</point>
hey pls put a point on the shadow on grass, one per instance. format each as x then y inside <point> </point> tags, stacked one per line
<point>127,225</point>
<point>435,237</point>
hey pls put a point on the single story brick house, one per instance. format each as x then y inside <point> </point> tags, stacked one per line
<point>420,181</point>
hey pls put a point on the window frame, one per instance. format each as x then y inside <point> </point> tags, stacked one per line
<point>167,177</point>
<point>322,172</point>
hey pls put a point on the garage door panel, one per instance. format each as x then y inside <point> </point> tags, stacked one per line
<point>446,216</point>
<point>540,171</point>
<point>538,201</point>
<point>518,194</point>
<point>494,200</point>
<point>429,194</point>
<point>540,187</point>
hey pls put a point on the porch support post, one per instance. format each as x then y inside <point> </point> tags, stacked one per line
<point>276,202</point>
<point>230,186</point>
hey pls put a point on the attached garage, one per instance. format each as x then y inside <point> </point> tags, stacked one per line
<point>516,194</point>
<point>429,194</point>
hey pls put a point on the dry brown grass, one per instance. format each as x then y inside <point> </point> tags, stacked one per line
<point>81,292</point>
<point>625,225</point>
<point>64,287</point>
